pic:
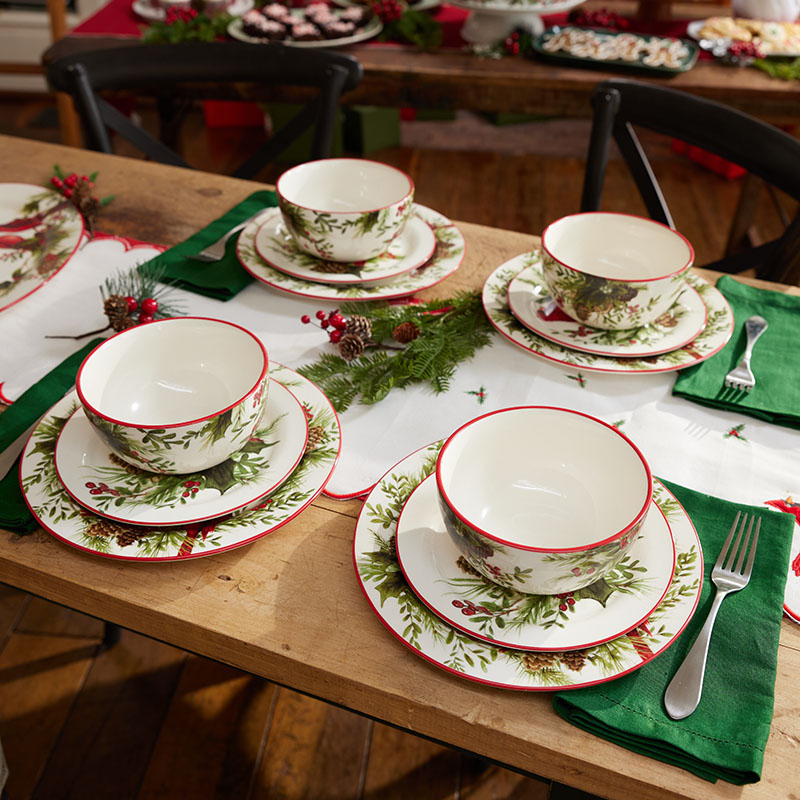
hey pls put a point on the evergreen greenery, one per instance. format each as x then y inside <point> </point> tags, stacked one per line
<point>450,332</point>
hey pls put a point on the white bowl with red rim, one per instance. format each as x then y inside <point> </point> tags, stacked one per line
<point>177,395</point>
<point>614,271</point>
<point>344,209</point>
<point>542,499</point>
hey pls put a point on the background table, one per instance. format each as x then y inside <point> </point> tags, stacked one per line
<point>289,607</point>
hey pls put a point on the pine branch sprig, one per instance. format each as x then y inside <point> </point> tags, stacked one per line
<point>448,332</point>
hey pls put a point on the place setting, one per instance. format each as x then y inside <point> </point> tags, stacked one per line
<point>349,229</point>
<point>169,447</point>
<point>594,297</point>
<point>528,602</point>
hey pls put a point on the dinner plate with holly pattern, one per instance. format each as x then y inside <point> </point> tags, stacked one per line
<point>445,582</point>
<point>410,250</point>
<point>446,259</point>
<point>530,303</point>
<point>99,480</point>
<point>74,525</point>
<point>429,636</point>
<point>39,232</point>
<point>713,337</point>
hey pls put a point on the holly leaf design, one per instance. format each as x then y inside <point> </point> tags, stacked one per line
<point>215,430</point>
<point>220,477</point>
<point>599,590</point>
<point>391,583</point>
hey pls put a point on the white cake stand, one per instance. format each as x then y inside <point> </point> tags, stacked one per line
<point>493,20</point>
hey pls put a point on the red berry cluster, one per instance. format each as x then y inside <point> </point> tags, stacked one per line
<point>568,599</point>
<point>101,488</point>
<point>744,50</point>
<point>388,10</point>
<point>68,184</point>
<point>179,15</point>
<point>335,321</point>
<point>511,44</point>
<point>192,487</point>
<point>469,609</point>
<point>146,310</point>
<point>601,18</point>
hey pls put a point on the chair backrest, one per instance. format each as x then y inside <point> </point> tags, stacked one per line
<point>761,149</point>
<point>167,71</point>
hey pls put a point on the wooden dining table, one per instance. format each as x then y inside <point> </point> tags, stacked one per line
<point>289,608</point>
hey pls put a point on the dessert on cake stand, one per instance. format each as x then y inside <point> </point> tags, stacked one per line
<point>493,20</point>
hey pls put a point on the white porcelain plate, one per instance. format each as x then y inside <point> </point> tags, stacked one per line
<point>442,579</point>
<point>530,303</point>
<point>441,644</point>
<point>713,337</point>
<point>58,513</point>
<point>410,250</point>
<point>369,31</point>
<point>39,233</point>
<point>422,5</point>
<point>446,259</point>
<point>147,10</point>
<point>106,485</point>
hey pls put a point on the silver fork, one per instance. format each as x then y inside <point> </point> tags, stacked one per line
<point>741,376</point>
<point>684,690</point>
<point>216,251</point>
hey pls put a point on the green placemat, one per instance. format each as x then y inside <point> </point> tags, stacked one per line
<point>222,279</point>
<point>32,404</point>
<point>725,737</point>
<point>775,361</point>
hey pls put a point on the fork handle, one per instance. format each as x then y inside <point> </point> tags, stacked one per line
<point>754,327</point>
<point>683,693</point>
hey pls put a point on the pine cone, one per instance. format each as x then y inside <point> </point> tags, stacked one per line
<point>359,326</point>
<point>536,661</point>
<point>84,200</point>
<point>666,320</point>
<point>573,660</point>
<point>114,458</point>
<point>405,332</point>
<point>316,435</point>
<point>116,309</point>
<point>331,267</point>
<point>465,566</point>
<point>351,346</point>
<point>128,536</point>
<point>103,528</point>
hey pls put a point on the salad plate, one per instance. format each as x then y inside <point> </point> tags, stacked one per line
<point>39,232</point>
<point>448,586</point>
<point>530,303</point>
<point>410,250</point>
<point>713,337</point>
<point>78,527</point>
<point>102,482</point>
<point>430,637</point>
<point>446,259</point>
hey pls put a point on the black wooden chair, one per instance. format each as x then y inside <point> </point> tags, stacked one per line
<point>764,151</point>
<point>172,72</point>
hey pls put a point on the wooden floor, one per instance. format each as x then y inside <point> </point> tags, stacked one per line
<point>145,720</point>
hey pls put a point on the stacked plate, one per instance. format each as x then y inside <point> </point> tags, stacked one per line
<point>429,249</point>
<point>425,592</point>
<point>88,497</point>
<point>517,302</point>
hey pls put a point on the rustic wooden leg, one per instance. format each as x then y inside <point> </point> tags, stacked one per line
<point>742,235</point>
<point>67,118</point>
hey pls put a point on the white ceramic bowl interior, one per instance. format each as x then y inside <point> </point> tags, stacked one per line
<point>544,478</point>
<point>617,246</point>
<point>172,372</point>
<point>338,185</point>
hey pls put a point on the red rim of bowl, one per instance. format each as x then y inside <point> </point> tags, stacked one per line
<point>167,426</point>
<point>621,280</point>
<point>529,548</point>
<point>405,197</point>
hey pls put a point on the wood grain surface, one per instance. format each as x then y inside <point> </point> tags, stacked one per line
<point>289,607</point>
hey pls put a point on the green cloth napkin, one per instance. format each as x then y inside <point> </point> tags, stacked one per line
<point>219,279</point>
<point>32,404</point>
<point>725,737</point>
<point>775,361</point>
